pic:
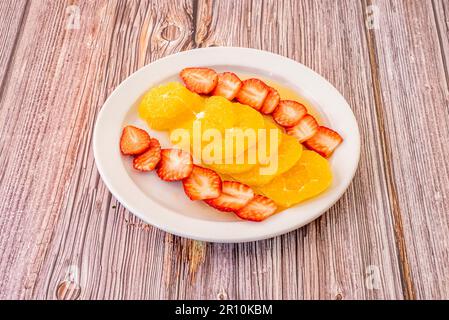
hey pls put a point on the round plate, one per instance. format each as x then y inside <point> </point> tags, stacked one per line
<point>164,204</point>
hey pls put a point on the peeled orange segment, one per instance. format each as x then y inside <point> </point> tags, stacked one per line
<point>253,177</point>
<point>268,141</point>
<point>207,126</point>
<point>216,117</point>
<point>289,153</point>
<point>226,130</point>
<point>211,124</point>
<point>243,134</point>
<point>310,176</point>
<point>166,106</point>
<point>265,143</point>
<point>247,118</point>
<point>241,163</point>
<point>250,156</point>
<point>265,153</point>
<point>193,137</point>
<point>231,168</point>
<point>217,114</point>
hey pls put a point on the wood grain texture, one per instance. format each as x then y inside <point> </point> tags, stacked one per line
<point>407,282</point>
<point>58,213</point>
<point>12,16</point>
<point>309,267</point>
<point>441,12</point>
<point>414,100</point>
<point>62,234</point>
<point>39,119</point>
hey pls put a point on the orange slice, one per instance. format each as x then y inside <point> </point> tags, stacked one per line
<point>310,176</point>
<point>166,106</point>
<point>289,153</point>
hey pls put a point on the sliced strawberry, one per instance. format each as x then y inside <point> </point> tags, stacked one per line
<point>228,85</point>
<point>253,93</point>
<point>258,209</point>
<point>202,184</point>
<point>199,80</point>
<point>175,164</point>
<point>234,195</point>
<point>134,141</point>
<point>305,128</point>
<point>271,102</point>
<point>148,160</point>
<point>288,113</point>
<point>324,141</point>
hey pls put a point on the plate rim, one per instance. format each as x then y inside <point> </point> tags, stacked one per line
<point>111,185</point>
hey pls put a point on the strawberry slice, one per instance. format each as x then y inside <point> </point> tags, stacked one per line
<point>305,128</point>
<point>288,113</point>
<point>324,141</point>
<point>134,141</point>
<point>228,85</point>
<point>202,184</point>
<point>234,195</point>
<point>271,102</point>
<point>199,80</point>
<point>253,93</point>
<point>175,164</point>
<point>258,209</point>
<point>148,160</point>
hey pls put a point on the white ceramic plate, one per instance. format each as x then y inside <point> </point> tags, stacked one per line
<point>164,204</point>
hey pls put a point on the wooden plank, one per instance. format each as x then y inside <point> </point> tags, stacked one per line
<point>38,117</point>
<point>332,257</point>
<point>116,255</point>
<point>58,220</point>
<point>413,102</point>
<point>12,15</point>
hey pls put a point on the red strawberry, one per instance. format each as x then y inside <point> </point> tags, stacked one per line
<point>202,184</point>
<point>288,113</point>
<point>253,93</point>
<point>324,141</point>
<point>234,195</point>
<point>175,164</point>
<point>134,141</point>
<point>305,128</point>
<point>258,209</point>
<point>271,102</point>
<point>199,80</point>
<point>148,160</point>
<point>228,85</point>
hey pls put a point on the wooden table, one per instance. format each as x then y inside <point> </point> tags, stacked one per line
<point>64,236</point>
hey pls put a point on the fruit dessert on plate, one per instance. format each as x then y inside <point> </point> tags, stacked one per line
<point>246,146</point>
